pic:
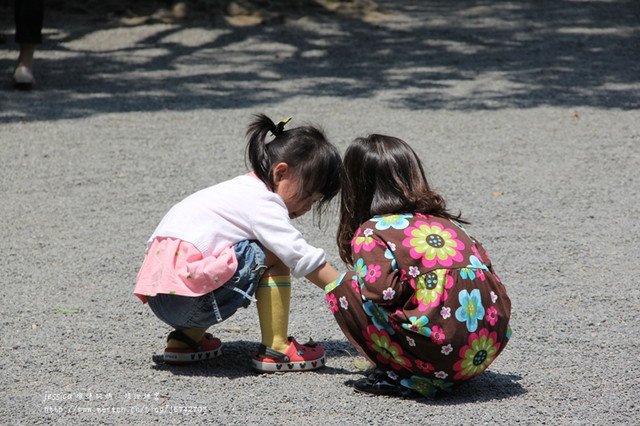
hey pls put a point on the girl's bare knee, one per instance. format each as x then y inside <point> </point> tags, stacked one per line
<point>275,265</point>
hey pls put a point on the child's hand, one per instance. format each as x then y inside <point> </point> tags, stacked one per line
<point>323,275</point>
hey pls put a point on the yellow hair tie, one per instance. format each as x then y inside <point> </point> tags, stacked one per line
<point>280,126</point>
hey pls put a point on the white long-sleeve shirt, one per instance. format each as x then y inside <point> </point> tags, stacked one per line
<point>240,209</point>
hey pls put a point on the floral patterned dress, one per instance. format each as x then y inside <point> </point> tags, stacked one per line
<point>423,302</point>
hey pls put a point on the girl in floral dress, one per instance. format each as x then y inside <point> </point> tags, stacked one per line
<point>423,302</point>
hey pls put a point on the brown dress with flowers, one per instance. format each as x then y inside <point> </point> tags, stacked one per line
<point>423,302</point>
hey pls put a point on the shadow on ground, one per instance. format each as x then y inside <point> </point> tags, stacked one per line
<point>488,386</point>
<point>468,55</point>
<point>235,361</point>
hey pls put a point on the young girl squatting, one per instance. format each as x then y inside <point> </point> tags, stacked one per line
<point>423,302</point>
<point>219,246</point>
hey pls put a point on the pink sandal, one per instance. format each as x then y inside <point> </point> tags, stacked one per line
<point>209,347</point>
<point>296,357</point>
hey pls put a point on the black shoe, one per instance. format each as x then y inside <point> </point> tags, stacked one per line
<point>378,383</point>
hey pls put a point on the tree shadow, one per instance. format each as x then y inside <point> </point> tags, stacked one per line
<point>467,55</point>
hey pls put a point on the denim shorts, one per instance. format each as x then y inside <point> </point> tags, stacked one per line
<point>182,312</point>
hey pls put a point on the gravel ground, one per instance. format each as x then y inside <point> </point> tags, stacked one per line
<point>525,113</point>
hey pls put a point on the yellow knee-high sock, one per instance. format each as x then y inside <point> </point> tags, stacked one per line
<point>274,297</point>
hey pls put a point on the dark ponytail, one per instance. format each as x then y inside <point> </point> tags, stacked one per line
<point>261,158</point>
<point>306,150</point>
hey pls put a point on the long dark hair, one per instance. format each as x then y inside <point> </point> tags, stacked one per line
<point>382,175</point>
<point>306,150</point>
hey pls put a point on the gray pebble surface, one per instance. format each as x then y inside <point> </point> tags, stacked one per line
<point>526,117</point>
